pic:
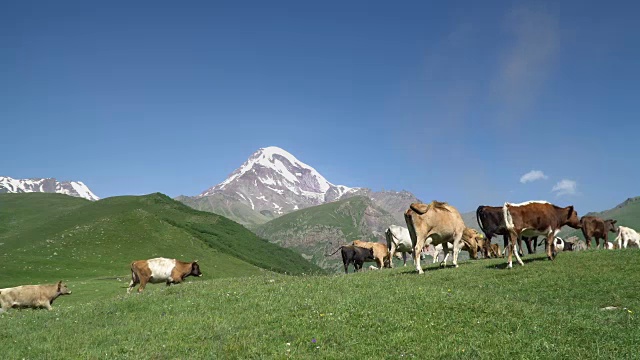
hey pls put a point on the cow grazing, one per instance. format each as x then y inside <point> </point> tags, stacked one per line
<point>627,236</point>
<point>535,218</point>
<point>34,296</point>
<point>595,227</point>
<point>398,241</point>
<point>161,270</point>
<point>380,252</point>
<point>434,223</point>
<point>354,255</point>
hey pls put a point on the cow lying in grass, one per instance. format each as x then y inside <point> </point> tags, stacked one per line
<point>161,270</point>
<point>34,296</point>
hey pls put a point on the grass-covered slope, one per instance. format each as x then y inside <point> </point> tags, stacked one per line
<point>228,207</point>
<point>317,230</point>
<point>544,310</point>
<point>53,236</point>
<point>627,214</point>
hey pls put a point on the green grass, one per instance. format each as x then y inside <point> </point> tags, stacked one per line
<point>478,311</point>
<point>53,236</point>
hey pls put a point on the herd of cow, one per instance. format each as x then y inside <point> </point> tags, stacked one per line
<point>438,227</point>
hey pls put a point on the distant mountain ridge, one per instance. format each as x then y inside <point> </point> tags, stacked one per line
<point>273,182</point>
<point>46,185</point>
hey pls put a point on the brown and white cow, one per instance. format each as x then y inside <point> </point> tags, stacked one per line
<point>380,252</point>
<point>434,223</point>
<point>161,270</point>
<point>33,296</point>
<point>595,227</point>
<point>534,218</point>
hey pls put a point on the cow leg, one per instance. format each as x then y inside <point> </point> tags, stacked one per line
<point>47,305</point>
<point>513,238</point>
<point>143,283</point>
<point>587,239</point>
<point>519,247</point>
<point>416,253</point>
<point>404,259</point>
<point>392,253</point>
<point>550,246</point>
<point>446,256</point>
<point>528,243</point>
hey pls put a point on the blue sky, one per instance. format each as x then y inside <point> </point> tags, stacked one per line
<point>454,101</point>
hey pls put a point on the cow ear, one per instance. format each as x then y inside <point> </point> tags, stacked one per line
<point>59,284</point>
<point>195,261</point>
<point>614,221</point>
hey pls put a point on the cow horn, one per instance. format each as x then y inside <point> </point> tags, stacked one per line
<point>195,261</point>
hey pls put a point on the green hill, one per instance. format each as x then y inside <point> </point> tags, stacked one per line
<point>318,230</point>
<point>627,213</point>
<point>53,236</point>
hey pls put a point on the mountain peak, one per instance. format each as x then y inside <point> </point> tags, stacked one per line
<point>47,185</point>
<point>273,179</point>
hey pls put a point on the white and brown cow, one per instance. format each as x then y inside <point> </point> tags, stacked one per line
<point>433,224</point>
<point>535,218</point>
<point>33,296</point>
<point>161,270</point>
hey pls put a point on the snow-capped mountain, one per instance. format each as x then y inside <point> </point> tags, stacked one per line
<point>48,185</point>
<point>273,180</point>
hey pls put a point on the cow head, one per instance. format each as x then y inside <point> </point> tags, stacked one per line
<point>610,225</point>
<point>195,269</point>
<point>572,217</point>
<point>63,289</point>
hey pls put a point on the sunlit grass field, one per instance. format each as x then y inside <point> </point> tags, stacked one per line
<point>480,310</point>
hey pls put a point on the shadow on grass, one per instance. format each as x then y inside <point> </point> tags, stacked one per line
<point>430,268</point>
<point>503,265</point>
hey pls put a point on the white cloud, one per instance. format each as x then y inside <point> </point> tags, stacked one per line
<point>533,175</point>
<point>565,187</point>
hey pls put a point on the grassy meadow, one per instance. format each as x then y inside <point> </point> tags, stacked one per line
<point>480,310</point>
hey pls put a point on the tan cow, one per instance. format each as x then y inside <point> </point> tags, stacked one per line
<point>33,296</point>
<point>380,252</point>
<point>158,270</point>
<point>434,223</point>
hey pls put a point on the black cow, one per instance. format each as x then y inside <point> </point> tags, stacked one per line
<point>355,255</point>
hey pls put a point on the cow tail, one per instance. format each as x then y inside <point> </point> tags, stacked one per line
<point>478,212</point>
<point>338,249</point>
<point>388,234</point>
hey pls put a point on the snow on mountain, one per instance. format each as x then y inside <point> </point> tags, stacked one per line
<point>48,185</point>
<point>274,180</point>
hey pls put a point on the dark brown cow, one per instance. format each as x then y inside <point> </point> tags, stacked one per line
<point>595,227</point>
<point>161,270</point>
<point>535,218</point>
